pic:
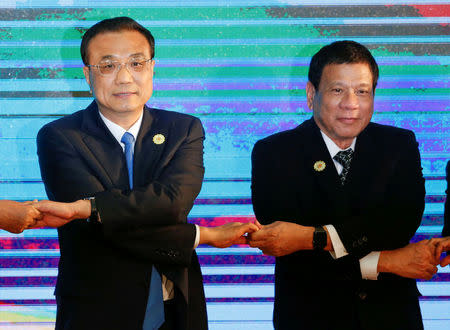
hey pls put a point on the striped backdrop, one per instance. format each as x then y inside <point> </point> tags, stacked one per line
<point>241,67</point>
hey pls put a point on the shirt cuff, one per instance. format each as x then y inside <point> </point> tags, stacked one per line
<point>197,236</point>
<point>338,248</point>
<point>369,265</point>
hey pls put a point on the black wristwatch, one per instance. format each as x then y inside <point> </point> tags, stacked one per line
<point>319,238</point>
<point>94,217</point>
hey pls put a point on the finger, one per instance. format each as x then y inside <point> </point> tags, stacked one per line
<point>430,271</point>
<point>251,228</point>
<point>258,224</point>
<point>445,244</point>
<point>431,254</point>
<point>438,252</point>
<point>433,241</point>
<point>36,213</point>
<point>257,235</point>
<point>37,224</point>
<point>445,261</point>
<point>435,270</point>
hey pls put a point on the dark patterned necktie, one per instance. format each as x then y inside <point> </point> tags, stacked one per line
<point>345,159</point>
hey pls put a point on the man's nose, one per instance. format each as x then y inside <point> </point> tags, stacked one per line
<point>350,100</point>
<point>123,74</point>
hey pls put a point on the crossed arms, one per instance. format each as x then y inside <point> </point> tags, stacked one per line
<point>415,260</point>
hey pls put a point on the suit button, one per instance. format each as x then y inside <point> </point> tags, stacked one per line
<point>362,295</point>
<point>365,239</point>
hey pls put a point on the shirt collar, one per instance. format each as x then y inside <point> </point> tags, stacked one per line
<point>333,149</point>
<point>118,131</point>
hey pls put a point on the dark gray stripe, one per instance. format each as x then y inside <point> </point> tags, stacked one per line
<point>384,30</point>
<point>342,11</point>
<point>35,14</point>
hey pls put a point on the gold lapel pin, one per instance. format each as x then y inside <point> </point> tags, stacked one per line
<point>158,139</point>
<point>319,166</point>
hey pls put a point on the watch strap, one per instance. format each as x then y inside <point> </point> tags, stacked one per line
<point>319,238</point>
<point>94,217</point>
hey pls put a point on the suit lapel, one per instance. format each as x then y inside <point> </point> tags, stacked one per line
<point>150,143</point>
<point>364,165</point>
<point>326,187</point>
<point>316,152</point>
<point>105,153</point>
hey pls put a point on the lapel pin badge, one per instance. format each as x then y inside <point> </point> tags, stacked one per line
<point>158,139</point>
<point>319,166</point>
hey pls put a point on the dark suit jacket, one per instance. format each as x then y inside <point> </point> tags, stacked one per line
<point>379,208</point>
<point>147,226</point>
<point>446,229</point>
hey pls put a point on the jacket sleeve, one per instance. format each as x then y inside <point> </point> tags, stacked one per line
<point>391,222</point>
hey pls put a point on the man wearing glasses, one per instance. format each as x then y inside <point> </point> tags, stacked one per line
<point>134,172</point>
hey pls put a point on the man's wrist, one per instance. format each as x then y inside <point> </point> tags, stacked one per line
<point>384,262</point>
<point>205,234</point>
<point>83,208</point>
<point>307,238</point>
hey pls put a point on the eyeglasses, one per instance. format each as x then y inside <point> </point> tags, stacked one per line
<point>109,68</point>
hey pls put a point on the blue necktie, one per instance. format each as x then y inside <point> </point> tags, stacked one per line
<point>128,140</point>
<point>154,313</point>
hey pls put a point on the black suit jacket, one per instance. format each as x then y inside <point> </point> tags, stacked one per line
<point>379,208</point>
<point>446,229</point>
<point>146,226</point>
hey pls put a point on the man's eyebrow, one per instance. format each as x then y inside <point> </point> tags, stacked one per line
<point>137,54</point>
<point>107,57</point>
<point>112,57</point>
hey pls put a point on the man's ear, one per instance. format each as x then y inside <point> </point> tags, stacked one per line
<point>310,93</point>
<point>86,73</point>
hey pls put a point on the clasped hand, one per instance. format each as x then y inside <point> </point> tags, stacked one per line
<point>16,216</point>
<point>416,260</point>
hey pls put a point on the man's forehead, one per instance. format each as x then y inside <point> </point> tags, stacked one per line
<point>339,73</point>
<point>106,46</point>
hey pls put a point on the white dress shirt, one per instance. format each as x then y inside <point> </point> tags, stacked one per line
<point>369,263</point>
<point>117,131</point>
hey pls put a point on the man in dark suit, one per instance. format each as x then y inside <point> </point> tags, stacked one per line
<point>340,198</point>
<point>134,172</point>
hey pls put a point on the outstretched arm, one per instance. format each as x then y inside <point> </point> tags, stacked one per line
<point>57,214</point>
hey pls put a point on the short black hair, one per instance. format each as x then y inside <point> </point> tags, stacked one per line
<point>115,24</point>
<point>341,52</point>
